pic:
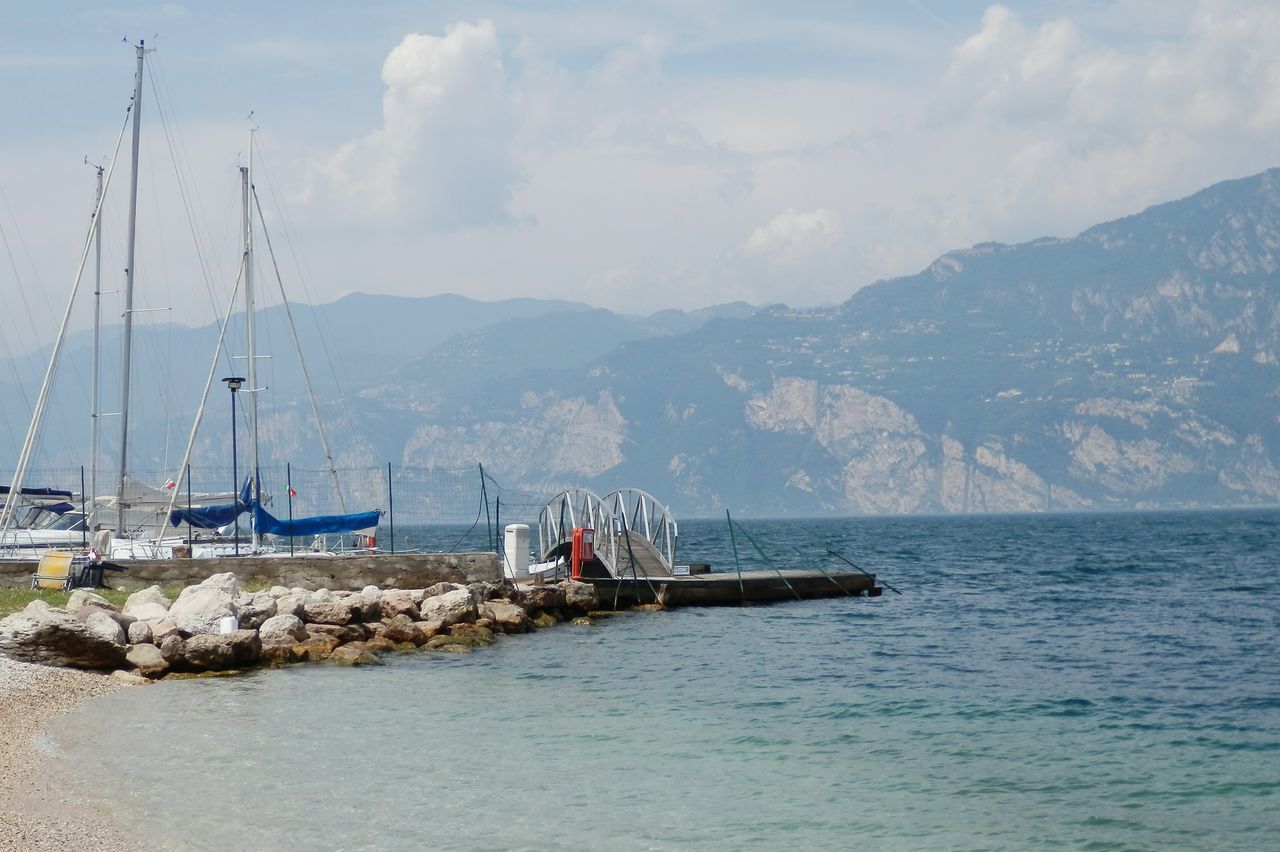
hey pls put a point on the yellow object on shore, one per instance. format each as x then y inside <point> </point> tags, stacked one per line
<point>54,571</point>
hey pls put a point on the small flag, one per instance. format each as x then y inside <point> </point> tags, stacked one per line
<point>169,485</point>
<point>292,492</point>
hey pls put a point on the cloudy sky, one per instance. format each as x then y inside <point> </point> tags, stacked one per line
<point>633,155</point>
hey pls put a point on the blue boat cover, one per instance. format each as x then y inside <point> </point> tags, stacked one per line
<point>38,492</point>
<point>212,517</point>
<point>317,525</point>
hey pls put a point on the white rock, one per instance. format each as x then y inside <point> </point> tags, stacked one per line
<point>278,626</point>
<point>106,627</point>
<point>57,638</point>
<point>291,604</point>
<point>140,633</point>
<point>81,597</point>
<point>200,609</point>
<point>321,595</point>
<point>449,608</point>
<point>147,602</point>
<point>278,592</point>
<point>371,592</point>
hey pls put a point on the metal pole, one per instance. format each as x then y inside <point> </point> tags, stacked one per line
<point>246,180</point>
<point>235,474</point>
<point>84,521</point>
<point>391,508</point>
<point>126,352</point>
<point>95,403</point>
<point>191,533</point>
<point>288,487</point>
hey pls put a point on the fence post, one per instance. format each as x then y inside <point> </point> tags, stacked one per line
<point>391,508</point>
<point>288,487</point>
<point>84,523</point>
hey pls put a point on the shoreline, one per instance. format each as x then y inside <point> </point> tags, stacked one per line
<point>36,809</point>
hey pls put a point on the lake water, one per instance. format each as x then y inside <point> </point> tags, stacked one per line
<point>1073,681</point>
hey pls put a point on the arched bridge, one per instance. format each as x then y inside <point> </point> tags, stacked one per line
<point>635,535</point>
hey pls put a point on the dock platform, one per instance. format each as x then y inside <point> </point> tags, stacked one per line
<point>731,588</point>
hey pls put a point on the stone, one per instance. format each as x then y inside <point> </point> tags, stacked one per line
<point>277,592</point>
<point>253,609</point>
<point>200,608</point>
<point>440,589</point>
<point>380,645</point>
<point>148,604</point>
<point>327,612</point>
<point>450,608</point>
<point>129,678</point>
<point>147,659</point>
<point>140,633</point>
<point>403,629</point>
<point>89,609</point>
<point>506,616</point>
<point>470,634</point>
<point>542,597</point>
<point>371,591</point>
<point>544,619</point>
<point>354,654</point>
<point>431,628</point>
<point>291,604</point>
<point>162,628</point>
<point>315,648</point>
<point>37,606</point>
<point>279,649</point>
<point>105,626</point>
<point>344,633</point>
<point>364,606</point>
<point>207,652</point>
<point>582,621</point>
<point>81,597</point>
<point>581,596</point>
<point>289,626</point>
<point>482,591</point>
<point>395,602</point>
<point>445,642</point>
<point>321,596</point>
<point>416,595</point>
<point>173,648</point>
<point>649,607</point>
<point>57,638</point>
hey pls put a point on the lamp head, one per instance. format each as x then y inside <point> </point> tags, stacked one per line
<point>234,382</point>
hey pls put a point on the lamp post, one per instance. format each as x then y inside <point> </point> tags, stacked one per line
<point>233,384</point>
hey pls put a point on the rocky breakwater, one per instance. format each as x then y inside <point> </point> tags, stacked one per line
<point>216,626</point>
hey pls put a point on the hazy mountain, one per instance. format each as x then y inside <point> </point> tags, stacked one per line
<point>1133,365</point>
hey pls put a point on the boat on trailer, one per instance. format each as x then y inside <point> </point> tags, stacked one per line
<point>626,544</point>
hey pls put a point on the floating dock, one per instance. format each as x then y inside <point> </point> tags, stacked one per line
<point>729,588</point>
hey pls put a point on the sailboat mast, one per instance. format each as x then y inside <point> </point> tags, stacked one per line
<point>95,406</point>
<point>246,178</point>
<point>126,351</point>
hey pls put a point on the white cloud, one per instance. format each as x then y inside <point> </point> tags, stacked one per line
<point>790,233</point>
<point>442,157</point>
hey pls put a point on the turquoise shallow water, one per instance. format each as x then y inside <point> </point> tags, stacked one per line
<point>1089,681</point>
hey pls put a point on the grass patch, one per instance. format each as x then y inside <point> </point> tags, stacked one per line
<point>13,600</point>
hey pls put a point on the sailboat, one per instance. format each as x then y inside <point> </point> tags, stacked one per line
<point>136,507</point>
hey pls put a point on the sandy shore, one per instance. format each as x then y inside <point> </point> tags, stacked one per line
<point>35,814</point>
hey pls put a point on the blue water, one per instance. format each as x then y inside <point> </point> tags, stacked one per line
<point>1087,681</point>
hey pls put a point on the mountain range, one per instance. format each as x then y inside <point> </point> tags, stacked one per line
<point>1132,366</point>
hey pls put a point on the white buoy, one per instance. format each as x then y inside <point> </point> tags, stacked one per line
<point>515,560</point>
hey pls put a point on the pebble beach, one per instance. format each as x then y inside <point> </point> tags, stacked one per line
<point>35,814</point>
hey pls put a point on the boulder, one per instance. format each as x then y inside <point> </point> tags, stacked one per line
<point>200,608</point>
<point>140,633</point>
<point>354,654</point>
<point>162,628</point>
<point>403,629</point>
<point>105,626</point>
<point>277,592</point>
<point>543,619</point>
<point>57,638</point>
<point>380,645</point>
<point>206,652</point>
<point>344,633</point>
<point>506,616</point>
<point>82,597</point>
<point>315,648</point>
<point>253,609</point>
<point>445,642</point>
<point>173,648</point>
<point>129,678</point>
<point>291,604</point>
<point>416,595</point>
<point>470,634</point>
<point>119,618</point>
<point>430,628</point>
<point>395,602</point>
<point>147,659</point>
<point>440,589</point>
<point>321,596</point>
<point>147,605</point>
<point>364,605</point>
<point>542,597</point>
<point>582,621</point>
<point>371,591</point>
<point>581,596</point>
<point>279,649</point>
<point>327,612</point>
<point>482,591</point>
<point>37,606</point>
<point>449,608</point>
<point>288,626</point>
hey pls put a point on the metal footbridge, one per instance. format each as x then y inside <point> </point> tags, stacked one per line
<point>635,535</point>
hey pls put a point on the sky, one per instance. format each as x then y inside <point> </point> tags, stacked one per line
<point>635,156</point>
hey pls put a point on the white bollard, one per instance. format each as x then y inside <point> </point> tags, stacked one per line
<point>515,548</point>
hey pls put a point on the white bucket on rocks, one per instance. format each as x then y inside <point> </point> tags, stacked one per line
<point>515,550</point>
<point>228,624</point>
